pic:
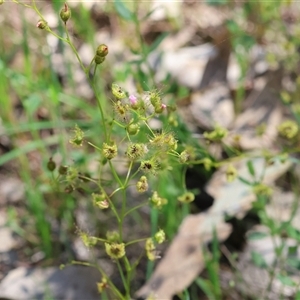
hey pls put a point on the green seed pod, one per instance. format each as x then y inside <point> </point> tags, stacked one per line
<point>102,50</point>
<point>133,129</point>
<point>100,200</point>
<point>113,236</point>
<point>104,204</point>
<point>158,108</point>
<point>155,99</point>
<point>41,24</point>
<point>69,189</point>
<point>99,59</point>
<point>62,170</point>
<point>77,139</point>
<point>184,157</point>
<point>51,165</point>
<point>65,13</point>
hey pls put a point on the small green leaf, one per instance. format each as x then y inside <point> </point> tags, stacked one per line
<point>232,26</point>
<point>158,41</point>
<point>216,2</point>
<point>32,103</point>
<point>292,250</point>
<point>251,168</point>
<point>293,233</point>
<point>149,14</point>
<point>206,287</point>
<point>258,259</point>
<point>293,262</point>
<point>244,180</point>
<point>256,235</point>
<point>286,280</point>
<point>123,11</point>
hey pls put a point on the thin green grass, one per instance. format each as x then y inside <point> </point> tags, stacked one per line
<point>34,89</point>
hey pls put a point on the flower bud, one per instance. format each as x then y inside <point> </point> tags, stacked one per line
<point>231,173</point>
<point>102,50</point>
<point>51,165</point>
<point>102,286</point>
<point>155,99</point>
<point>187,155</point>
<point>216,135</point>
<point>41,24</point>
<point>72,174</point>
<point>150,249</point>
<point>187,197</point>
<point>109,151</point>
<point>207,163</point>
<point>99,59</point>
<point>262,190</point>
<point>142,185</point>
<point>77,139</point>
<point>112,236</point>
<point>88,241</point>
<point>114,250</point>
<point>160,236</point>
<point>62,170</point>
<point>104,204</point>
<point>135,151</point>
<point>65,13</point>
<point>184,156</point>
<point>171,141</point>
<point>172,120</point>
<point>69,189</point>
<point>100,200</point>
<point>122,111</point>
<point>288,129</point>
<point>133,129</point>
<point>149,166</point>
<point>117,91</point>
<point>133,100</point>
<point>157,201</point>
<point>159,108</point>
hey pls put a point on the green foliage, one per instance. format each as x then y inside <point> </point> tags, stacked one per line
<point>119,132</point>
<point>258,259</point>
<point>212,286</point>
<point>123,11</point>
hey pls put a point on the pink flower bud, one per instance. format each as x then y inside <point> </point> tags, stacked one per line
<point>133,100</point>
<point>163,106</point>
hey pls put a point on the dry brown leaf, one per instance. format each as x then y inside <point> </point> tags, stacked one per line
<point>235,198</point>
<point>262,107</point>
<point>253,281</point>
<point>183,260</point>
<point>212,106</point>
